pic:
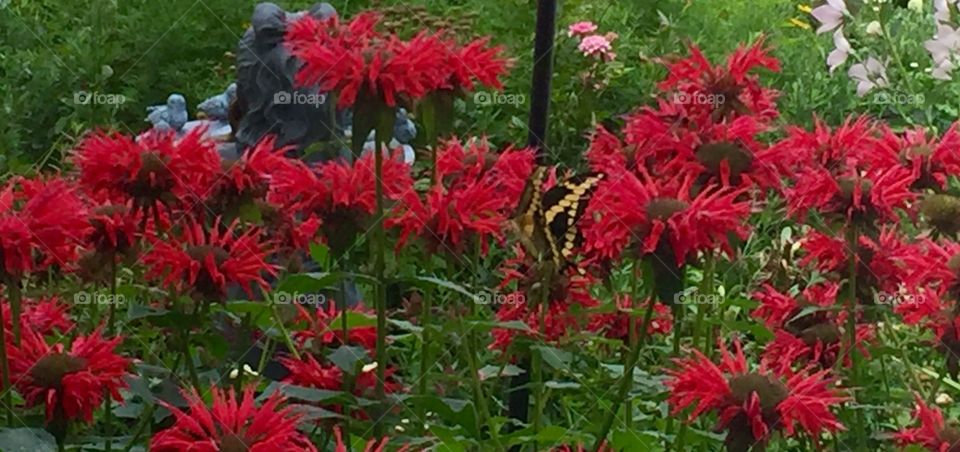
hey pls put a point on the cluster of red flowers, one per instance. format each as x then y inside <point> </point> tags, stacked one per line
<point>356,60</point>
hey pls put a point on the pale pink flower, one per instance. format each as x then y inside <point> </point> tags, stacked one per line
<point>841,50</point>
<point>943,47</point>
<point>941,10</point>
<point>581,28</point>
<point>869,75</point>
<point>830,15</point>
<point>597,46</point>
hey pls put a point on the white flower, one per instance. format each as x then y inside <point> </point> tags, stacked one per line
<point>841,50</point>
<point>944,399</point>
<point>869,75</point>
<point>830,15</point>
<point>874,28</point>
<point>915,5</point>
<point>369,367</point>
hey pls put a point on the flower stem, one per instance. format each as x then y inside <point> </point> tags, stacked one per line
<point>425,308</point>
<point>111,315</point>
<point>853,236</point>
<point>16,299</point>
<point>626,381</point>
<point>384,129</point>
<point>5,375</point>
<point>536,361</point>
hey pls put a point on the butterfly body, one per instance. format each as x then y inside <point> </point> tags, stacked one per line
<point>548,219</point>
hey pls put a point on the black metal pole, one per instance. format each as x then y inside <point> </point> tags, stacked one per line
<point>518,398</point>
<point>542,73</point>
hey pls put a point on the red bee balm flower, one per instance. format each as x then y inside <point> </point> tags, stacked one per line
<point>232,425</point>
<point>156,170</point>
<point>616,325</point>
<point>356,60</point>
<point>324,329</point>
<point>41,223</point>
<point>723,91</point>
<point>476,191</point>
<point>660,212</point>
<point>71,383</point>
<point>751,404</point>
<point>932,433</point>
<point>206,261</point>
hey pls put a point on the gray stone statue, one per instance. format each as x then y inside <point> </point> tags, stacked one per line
<point>171,116</point>
<point>217,108</point>
<point>267,101</point>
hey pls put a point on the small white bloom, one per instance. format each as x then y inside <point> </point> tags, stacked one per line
<point>944,399</point>
<point>915,5</point>
<point>874,28</point>
<point>398,429</point>
<point>369,367</point>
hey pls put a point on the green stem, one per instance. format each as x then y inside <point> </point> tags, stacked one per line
<point>425,365</point>
<point>283,331</point>
<point>5,375</point>
<point>536,361</point>
<point>111,315</point>
<point>852,243</point>
<point>385,121</point>
<point>16,299</point>
<point>626,381</point>
<point>141,427</point>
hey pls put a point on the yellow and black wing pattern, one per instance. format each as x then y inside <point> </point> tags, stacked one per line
<point>549,220</point>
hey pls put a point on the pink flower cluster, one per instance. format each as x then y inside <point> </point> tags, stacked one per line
<point>593,45</point>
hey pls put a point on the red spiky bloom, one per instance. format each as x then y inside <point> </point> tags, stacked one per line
<point>662,213</point>
<point>357,61</point>
<point>247,179</point>
<point>333,188</point>
<point>929,160</point>
<point>71,383</point>
<point>932,433</point>
<point>837,172</point>
<point>568,296</point>
<point>43,316</point>
<point>475,62</point>
<point>322,328</point>
<point>717,92</point>
<point>475,192</point>
<point>42,222</point>
<point>311,373</point>
<point>372,445</point>
<point>156,171</point>
<point>231,424</point>
<point>203,261</point>
<point>616,325</point>
<point>751,404</point>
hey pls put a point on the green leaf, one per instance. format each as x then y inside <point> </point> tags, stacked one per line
<point>425,281</point>
<point>554,357</point>
<point>349,358</point>
<point>26,440</point>
<point>552,384</point>
<point>490,371</point>
<point>320,254</point>
<point>633,441</point>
